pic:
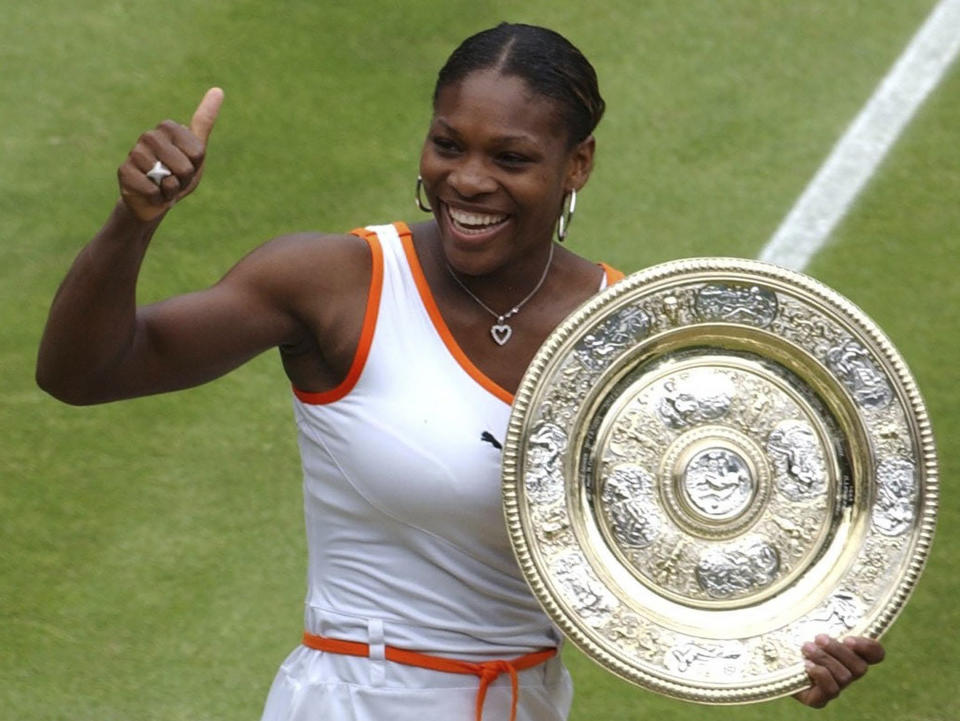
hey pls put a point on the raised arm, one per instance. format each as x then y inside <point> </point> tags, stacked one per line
<point>98,346</point>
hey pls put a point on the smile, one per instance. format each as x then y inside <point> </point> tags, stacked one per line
<point>468,222</point>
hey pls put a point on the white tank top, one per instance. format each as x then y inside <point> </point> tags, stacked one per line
<point>402,485</point>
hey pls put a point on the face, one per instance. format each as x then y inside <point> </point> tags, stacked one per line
<point>496,166</point>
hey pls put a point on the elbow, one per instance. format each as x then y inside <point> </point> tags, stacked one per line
<point>64,374</point>
<point>51,374</point>
<point>60,392</point>
<point>62,388</point>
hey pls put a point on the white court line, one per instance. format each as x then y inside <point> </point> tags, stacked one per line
<point>856,155</point>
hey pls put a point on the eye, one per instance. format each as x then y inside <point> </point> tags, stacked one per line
<point>514,160</point>
<point>444,145</point>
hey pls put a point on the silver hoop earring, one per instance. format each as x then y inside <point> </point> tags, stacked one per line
<point>424,208</point>
<point>566,216</point>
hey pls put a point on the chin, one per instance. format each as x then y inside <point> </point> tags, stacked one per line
<point>469,262</point>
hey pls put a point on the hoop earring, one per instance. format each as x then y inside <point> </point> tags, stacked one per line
<point>566,216</point>
<point>424,208</point>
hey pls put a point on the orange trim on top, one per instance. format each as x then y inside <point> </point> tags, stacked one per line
<point>366,332</point>
<point>402,230</point>
<point>613,275</point>
<point>448,340</point>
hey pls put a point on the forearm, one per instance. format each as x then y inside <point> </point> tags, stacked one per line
<point>92,322</point>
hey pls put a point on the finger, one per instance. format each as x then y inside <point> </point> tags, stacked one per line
<point>158,143</point>
<point>184,140</point>
<point>868,649</point>
<point>845,655</point>
<point>138,190</point>
<point>824,688</point>
<point>206,114</point>
<point>151,150</point>
<point>812,697</point>
<point>133,179</point>
<point>170,187</point>
<point>142,157</point>
<point>842,676</point>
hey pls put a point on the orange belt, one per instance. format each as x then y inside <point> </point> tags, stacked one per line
<point>488,671</point>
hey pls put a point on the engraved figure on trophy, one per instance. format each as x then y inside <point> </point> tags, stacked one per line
<point>796,535</point>
<point>595,352</point>
<point>552,524</point>
<point>796,454</point>
<point>598,349</point>
<point>627,326</point>
<point>737,304</point>
<point>670,308</point>
<point>837,616</point>
<point>873,564</point>
<point>798,324</point>
<point>753,415</point>
<point>853,366</point>
<point>706,660</point>
<point>574,380</point>
<point>770,654</point>
<point>893,513</point>
<point>665,568</point>
<point>695,397</point>
<point>543,480</point>
<point>627,498</point>
<point>624,625</point>
<point>635,436</point>
<point>725,573</point>
<point>557,407</point>
<point>584,591</point>
<point>718,483</point>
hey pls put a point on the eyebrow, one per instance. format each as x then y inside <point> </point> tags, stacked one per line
<point>523,137</point>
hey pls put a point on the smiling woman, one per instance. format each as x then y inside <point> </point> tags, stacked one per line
<point>402,386</point>
<point>496,167</point>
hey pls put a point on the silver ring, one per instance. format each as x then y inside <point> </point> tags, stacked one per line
<point>158,172</point>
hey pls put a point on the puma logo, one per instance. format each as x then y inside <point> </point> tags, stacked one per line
<point>487,437</point>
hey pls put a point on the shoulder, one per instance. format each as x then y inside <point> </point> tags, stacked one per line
<point>293,251</point>
<point>600,272</point>
<point>321,281</point>
<point>579,272</point>
<point>317,261</point>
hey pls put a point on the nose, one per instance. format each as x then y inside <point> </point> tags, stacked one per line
<point>470,178</point>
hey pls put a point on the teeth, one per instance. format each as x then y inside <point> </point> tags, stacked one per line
<point>475,220</point>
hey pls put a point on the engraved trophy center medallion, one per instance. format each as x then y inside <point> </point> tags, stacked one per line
<point>718,484</point>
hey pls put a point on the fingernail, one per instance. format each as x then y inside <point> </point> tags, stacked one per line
<point>822,639</point>
<point>809,665</point>
<point>809,648</point>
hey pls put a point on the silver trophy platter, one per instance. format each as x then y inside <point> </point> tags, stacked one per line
<point>710,463</point>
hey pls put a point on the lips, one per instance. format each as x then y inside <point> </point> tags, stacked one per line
<point>473,222</point>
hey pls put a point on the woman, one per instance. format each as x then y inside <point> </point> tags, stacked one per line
<point>404,347</point>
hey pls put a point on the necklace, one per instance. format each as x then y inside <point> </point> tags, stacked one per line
<point>501,330</point>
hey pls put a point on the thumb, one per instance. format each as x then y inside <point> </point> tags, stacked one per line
<point>206,114</point>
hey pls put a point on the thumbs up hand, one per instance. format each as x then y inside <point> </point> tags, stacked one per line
<point>167,162</point>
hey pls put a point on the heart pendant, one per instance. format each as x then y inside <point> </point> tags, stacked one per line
<point>501,333</point>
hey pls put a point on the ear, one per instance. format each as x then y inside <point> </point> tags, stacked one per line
<point>580,163</point>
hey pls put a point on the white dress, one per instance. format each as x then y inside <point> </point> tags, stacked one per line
<point>406,539</point>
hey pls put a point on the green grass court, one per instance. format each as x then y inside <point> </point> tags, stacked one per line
<point>152,552</point>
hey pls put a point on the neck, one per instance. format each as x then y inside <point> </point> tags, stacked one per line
<point>510,288</point>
